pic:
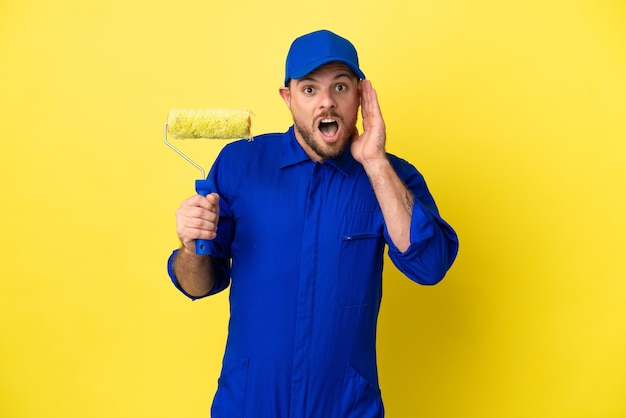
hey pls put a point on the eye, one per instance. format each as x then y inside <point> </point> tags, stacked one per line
<point>308,90</point>
<point>341,87</point>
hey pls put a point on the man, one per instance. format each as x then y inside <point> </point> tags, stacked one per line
<point>298,223</point>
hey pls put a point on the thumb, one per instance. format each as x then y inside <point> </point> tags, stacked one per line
<point>213,198</point>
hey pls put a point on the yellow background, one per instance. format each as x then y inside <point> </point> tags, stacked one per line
<point>515,112</point>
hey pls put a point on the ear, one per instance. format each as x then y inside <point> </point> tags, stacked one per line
<point>285,93</point>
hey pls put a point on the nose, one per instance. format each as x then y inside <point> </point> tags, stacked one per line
<point>327,100</point>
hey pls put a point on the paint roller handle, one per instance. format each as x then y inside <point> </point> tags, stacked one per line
<point>203,187</point>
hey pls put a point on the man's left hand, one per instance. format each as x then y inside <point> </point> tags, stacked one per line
<point>369,146</point>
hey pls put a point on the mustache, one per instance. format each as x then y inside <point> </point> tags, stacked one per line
<point>329,114</point>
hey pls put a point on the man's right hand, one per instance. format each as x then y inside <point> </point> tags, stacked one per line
<point>197,218</point>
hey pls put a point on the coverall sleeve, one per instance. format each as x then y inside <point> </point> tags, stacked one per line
<point>434,244</point>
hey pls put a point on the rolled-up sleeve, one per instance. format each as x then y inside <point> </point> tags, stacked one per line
<point>222,276</point>
<point>433,243</point>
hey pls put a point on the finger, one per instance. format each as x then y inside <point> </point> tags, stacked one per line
<point>368,101</point>
<point>196,212</point>
<point>197,201</point>
<point>365,98</point>
<point>210,202</point>
<point>372,115</point>
<point>193,227</point>
<point>371,101</point>
<point>213,199</point>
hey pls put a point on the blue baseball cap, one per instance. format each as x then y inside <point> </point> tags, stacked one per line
<point>315,49</point>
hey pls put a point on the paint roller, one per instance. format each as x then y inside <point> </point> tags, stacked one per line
<point>207,124</point>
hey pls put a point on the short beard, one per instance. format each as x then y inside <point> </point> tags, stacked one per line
<point>331,152</point>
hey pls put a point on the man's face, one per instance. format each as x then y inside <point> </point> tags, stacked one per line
<point>324,106</point>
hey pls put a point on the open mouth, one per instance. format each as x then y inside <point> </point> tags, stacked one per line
<point>328,127</point>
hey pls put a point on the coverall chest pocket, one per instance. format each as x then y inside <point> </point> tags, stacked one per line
<point>360,259</point>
